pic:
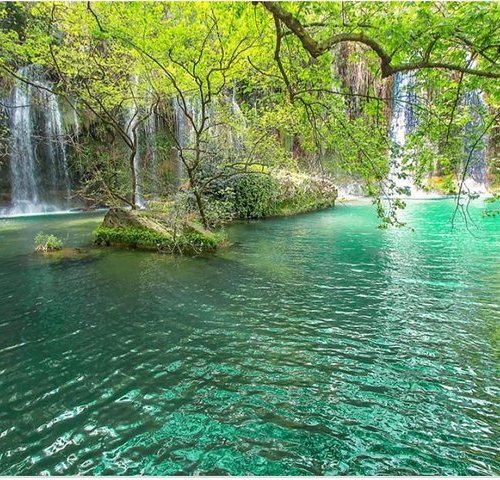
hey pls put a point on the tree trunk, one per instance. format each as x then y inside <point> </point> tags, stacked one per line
<point>134,178</point>
<point>197,196</point>
<point>201,208</point>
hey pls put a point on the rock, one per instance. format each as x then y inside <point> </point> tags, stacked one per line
<point>191,227</point>
<point>119,218</point>
<point>148,230</point>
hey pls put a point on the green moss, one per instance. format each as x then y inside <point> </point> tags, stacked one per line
<point>161,206</point>
<point>258,168</point>
<point>134,237</point>
<point>187,242</point>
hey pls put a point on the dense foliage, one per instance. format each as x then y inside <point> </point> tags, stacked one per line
<point>312,82</point>
<point>252,196</point>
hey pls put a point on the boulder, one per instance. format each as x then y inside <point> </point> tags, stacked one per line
<point>192,227</point>
<point>120,218</point>
<point>149,230</point>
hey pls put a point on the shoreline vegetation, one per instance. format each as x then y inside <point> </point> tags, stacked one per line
<point>164,229</point>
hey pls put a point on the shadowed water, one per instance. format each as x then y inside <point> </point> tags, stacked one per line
<point>317,344</point>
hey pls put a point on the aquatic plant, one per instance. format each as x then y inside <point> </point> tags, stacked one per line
<point>47,243</point>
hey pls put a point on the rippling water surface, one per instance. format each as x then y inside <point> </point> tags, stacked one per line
<point>317,344</point>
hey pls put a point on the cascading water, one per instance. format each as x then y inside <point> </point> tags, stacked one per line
<point>153,155</point>
<point>54,133</point>
<point>236,139</point>
<point>23,161</point>
<point>76,123</point>
<point>184,133</point>
<point>402,123</point>
<point>133,129</point>
<point>474,158</point>
<point>39,177</point>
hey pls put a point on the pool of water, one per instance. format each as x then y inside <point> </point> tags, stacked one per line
<point>316,344</point>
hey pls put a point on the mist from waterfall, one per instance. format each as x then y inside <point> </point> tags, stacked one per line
<point>39,176</point>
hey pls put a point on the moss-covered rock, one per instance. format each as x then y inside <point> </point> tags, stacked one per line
<point>171,229</point>
<point>117,218</point>
<point>149,230</point>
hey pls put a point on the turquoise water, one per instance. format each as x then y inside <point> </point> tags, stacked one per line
<point>316,344</point>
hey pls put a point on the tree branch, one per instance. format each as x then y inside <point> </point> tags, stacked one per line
<point>316,48</point>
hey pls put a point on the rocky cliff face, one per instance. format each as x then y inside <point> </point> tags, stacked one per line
<point>352,67</point>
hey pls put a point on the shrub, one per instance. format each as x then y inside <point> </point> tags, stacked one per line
<point>160,206</point>
<point>254,195</point>
<point>218,212</point>
<point>47,243</point>
<point>257,195</point>
<point>449,186</point>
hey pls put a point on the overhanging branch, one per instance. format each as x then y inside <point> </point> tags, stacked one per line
<point>316,48</point>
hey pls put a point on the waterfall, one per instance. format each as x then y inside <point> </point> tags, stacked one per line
<point>236,139</point>
<point>184,134</point>
<point>402,124</point>
<point>76,123</point>
<point>54,134</point>
<point>152,164</point>
<point>39,176</point>
<point>22,161</point>
<point>217,131</point>
<point>133,130</point>
<point>474,157</point>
